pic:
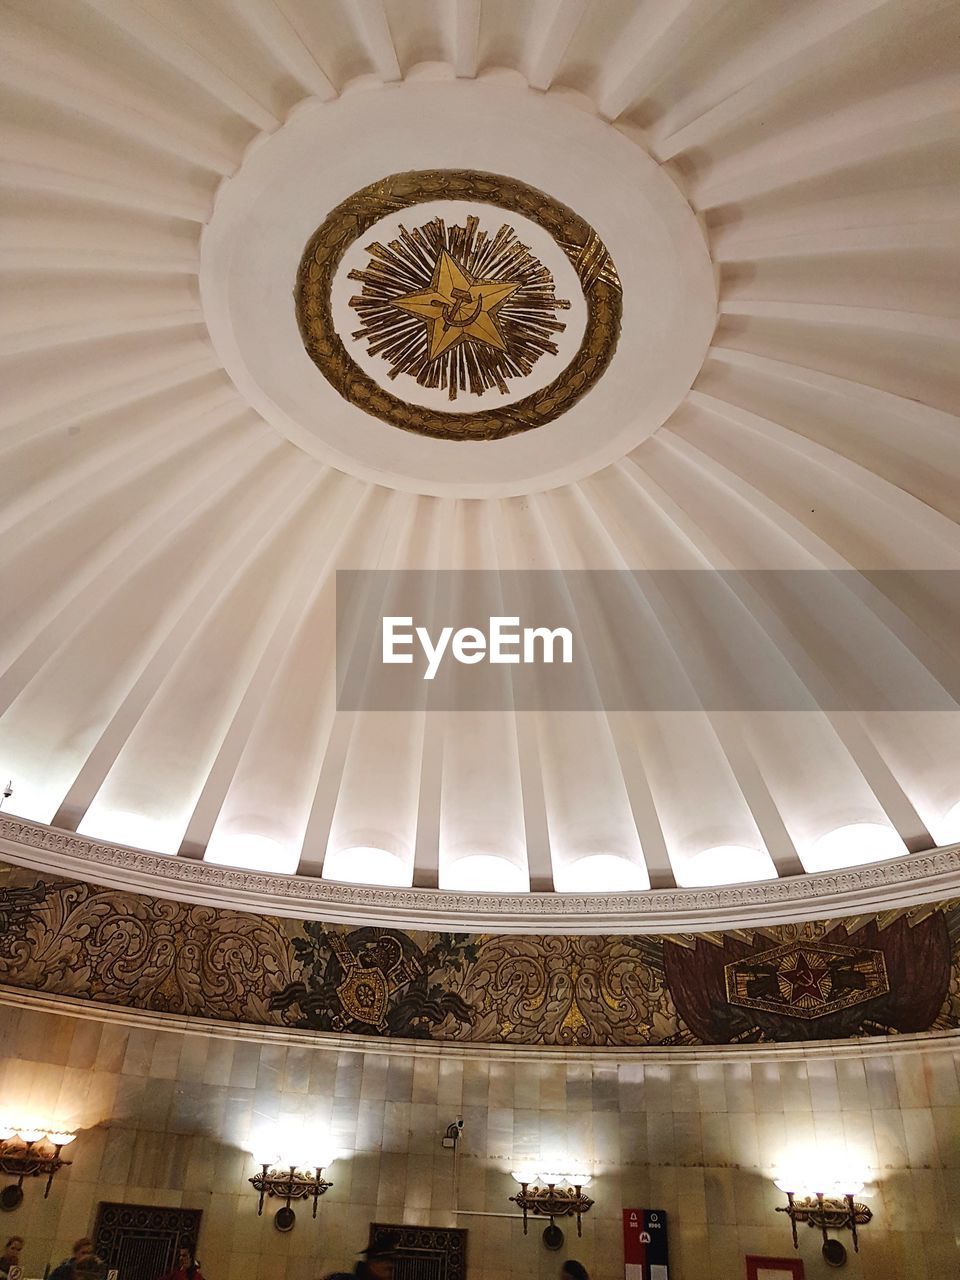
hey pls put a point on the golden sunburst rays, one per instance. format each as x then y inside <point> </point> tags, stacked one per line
<point>457,308</point>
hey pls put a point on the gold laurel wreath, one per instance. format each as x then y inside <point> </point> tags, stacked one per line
<point>353,218</point>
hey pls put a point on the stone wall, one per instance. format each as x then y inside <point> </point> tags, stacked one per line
<point>168,1112</point>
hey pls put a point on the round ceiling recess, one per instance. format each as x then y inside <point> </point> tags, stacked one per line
<point>475,262</point>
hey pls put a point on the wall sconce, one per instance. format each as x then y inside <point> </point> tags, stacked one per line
<point>552,1195</point>
<point>294,1182</point>
<point>27,1151</point>
<point>833,1207</point>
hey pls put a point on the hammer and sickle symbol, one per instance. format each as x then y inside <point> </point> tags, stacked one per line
<point>451,312</point>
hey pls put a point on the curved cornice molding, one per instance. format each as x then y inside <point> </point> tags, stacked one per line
<point>924,877</point>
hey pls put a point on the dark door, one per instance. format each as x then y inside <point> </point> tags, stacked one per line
<point>141,1241</point>
<point>423,1253</point>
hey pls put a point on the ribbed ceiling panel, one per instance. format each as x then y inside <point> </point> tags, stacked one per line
<point>169,561</point>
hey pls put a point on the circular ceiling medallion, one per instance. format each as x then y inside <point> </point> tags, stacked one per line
<point>584,201</point>
<point>461,305</point>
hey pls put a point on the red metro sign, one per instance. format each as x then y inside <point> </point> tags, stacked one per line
<point>645,1244</point>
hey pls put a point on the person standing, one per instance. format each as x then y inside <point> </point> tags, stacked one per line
<point>572,1270</point>
<point>83,1263</point>
<point>90,1267</point>
<point>377,1264</point>
<point>187,1267</point>
<point>11,1256</point>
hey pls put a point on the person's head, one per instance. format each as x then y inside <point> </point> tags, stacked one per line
<point>378,1268</point>
<point>184,1256</point>
<point>572,1270</point>
<point>378,1265</point>
<point>82,1248</point>
<point>14,1245</point>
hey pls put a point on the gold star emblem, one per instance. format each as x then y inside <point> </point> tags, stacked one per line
<point>457,307</point>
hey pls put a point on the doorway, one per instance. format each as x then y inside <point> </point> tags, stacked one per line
<point>140,1241</point>
<point>423,1253</point>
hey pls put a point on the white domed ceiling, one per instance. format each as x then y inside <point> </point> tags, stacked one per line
<point>769,197</point>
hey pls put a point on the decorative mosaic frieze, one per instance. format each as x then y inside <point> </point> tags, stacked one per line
<point>895,973</point>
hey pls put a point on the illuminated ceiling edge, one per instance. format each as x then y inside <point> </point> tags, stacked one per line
<point>901,882</point>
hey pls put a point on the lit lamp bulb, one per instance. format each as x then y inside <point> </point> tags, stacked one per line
<point>578,1179</point>
<point>267,1158</point>
<point>803,1182</point>
<point>829,1186</point>
<point>61,1139</point>
<point>551,1179</point>
<point>840,1187</point>
<point>524,1176</point>
<point>32,1135</point>
<point>306,1159</point>
<point>7,1131</point>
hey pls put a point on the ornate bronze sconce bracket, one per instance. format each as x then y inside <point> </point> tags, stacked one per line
<point>827,1213</point>
<point>552,1200</point>
<point>30,1157</point>
<point>288,1185</point>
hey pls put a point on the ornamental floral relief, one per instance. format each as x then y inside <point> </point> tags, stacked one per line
<point>950,1014</point>
<point>572,991</point>
<point>126,949</point>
